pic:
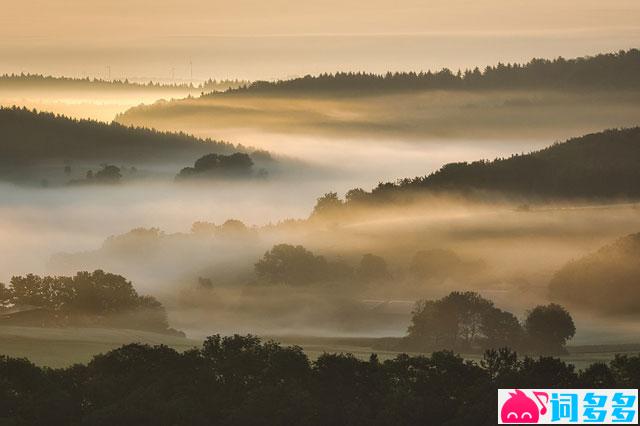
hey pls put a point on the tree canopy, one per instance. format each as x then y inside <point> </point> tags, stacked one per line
<point>549,327</point>
<point>86,299</point>
<point>466,321</point>
<point>291,265</point>
<point>235,165</point>
<point>296,266</point>
<point>239,380</point>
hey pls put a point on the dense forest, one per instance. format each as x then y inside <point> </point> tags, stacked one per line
<point>605,281</point>
<point>603,165</point>
<point>87,299</point>
<point>31,137</point>
<point>239,380</point>
<point>619,70</point>
<point>48,82</point>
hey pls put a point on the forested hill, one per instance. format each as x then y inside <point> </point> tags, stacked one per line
<point>598,165</point>
<point>31,137</point>
<point>605,71</point>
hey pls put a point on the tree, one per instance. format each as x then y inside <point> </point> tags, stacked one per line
<point>108,174</point>
<point>372,268</point>
<point>462,321</point>
<point>291,265</point>
<point>501,329</point>
<point>548,328</point>
<point>218,165</point>
<point>356,195</point>
<point>327,205</point>
<point>5,295</point>
<point>90,298</point>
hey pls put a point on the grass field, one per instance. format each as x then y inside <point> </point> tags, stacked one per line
<point>61,347</point>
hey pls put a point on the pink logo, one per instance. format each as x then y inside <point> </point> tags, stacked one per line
<point>519,408</point>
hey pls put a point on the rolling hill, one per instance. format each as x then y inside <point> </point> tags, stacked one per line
<point>607,71</point>
<point>29,137</point>
<point>540,100</point>
<point>603,165</point>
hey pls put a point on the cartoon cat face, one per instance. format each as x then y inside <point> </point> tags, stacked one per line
<point>519,408</point>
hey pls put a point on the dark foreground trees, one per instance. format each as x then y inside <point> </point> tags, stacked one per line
<point>241,381</point>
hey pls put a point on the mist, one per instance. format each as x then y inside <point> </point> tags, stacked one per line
<point>514,253</point>
<point>337,212</point>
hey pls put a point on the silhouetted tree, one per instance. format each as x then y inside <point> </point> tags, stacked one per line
<point>88,299</point>
<point>327,205</point>
<point>291,265</point>
<point>548,328</point>
<point>108,174</point>
<point>218,165</point>
<point>462,321</point>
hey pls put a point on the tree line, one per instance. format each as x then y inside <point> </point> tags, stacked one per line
<point>28,80</point>
<point>294,265</point>
<point>620,70</point>
<point>239,380</point>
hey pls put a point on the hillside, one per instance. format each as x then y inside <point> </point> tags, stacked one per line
<point>540,100</point>
<point>30,137</point>
<point>605,281</point>
<point>600,165</point>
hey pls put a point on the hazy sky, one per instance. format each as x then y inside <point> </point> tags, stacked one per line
<point>279,38</point>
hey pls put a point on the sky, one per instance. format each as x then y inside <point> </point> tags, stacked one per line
<point>283,38</point>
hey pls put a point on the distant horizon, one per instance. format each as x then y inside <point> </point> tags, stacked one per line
<point>199,79</point>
